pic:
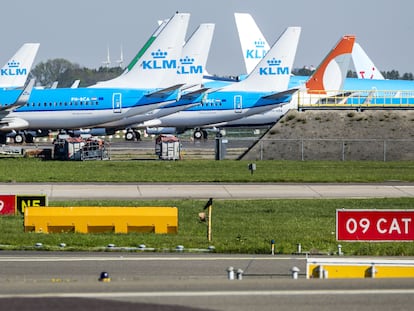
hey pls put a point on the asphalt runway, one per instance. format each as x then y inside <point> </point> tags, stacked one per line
<point>67,191</point>
<point>147,281</point>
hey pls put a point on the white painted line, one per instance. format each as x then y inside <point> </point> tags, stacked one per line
<point>342,292</point>
<point>54,259</point>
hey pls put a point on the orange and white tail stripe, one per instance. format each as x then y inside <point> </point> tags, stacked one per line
<point>331,73</point>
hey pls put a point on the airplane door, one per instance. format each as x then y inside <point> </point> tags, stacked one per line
<point>116,102</point>
<point>238,103</point>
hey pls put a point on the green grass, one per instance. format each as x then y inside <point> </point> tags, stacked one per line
<point>35,170</point>
<point>238,226</point>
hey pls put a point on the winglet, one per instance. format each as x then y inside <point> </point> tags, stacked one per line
<point>23,97</point>
<point>331,73</point>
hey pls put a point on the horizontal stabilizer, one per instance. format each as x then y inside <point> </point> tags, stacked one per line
<point>195,94</point>
<point>165,92</point>
<point>280,95</point>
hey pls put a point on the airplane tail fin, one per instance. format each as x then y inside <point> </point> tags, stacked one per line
<point>15,72</point>
<point>331,73</point>
<point>161,25</point>
<point>273,71</point>
<point>364,66</point>
<point>157,66</point>
<point>194,56</point>
<point>253,43</point>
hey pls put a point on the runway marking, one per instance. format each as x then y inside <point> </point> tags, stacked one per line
<point>54,259</point>
<point>342,292</point>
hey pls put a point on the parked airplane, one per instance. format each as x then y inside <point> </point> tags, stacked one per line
<point>265,87</point>
<point>190,73</point>
<point>369,88</point>
<point>254,46</point>
<point>144,88</point>
<point>15,72</point>
<point>330,75</point>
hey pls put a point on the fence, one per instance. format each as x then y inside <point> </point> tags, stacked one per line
<point>329,149</point>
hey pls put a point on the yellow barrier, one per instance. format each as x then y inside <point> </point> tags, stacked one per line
<point>359,268</point>
<point>93,219</point>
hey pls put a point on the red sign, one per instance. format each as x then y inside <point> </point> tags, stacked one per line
<point>7,204</point>
<point>375,225</point>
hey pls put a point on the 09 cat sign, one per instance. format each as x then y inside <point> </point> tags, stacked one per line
<point>374,225</point>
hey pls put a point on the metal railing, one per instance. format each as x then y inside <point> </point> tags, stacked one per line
<point>355,99</point>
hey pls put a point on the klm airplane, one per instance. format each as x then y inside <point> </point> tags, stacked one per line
<point>190,73</point>
<point>330,74</point>
<point>15,72</point>
<point>265,88</point>
<point>369,91</point>
<point>149,85</point>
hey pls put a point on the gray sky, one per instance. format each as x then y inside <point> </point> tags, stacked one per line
<point>81,30</point>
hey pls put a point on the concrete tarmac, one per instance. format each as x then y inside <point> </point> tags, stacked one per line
<point>65,191</point>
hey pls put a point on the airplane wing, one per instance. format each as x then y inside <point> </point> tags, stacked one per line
<point>164,92</point>
<point>21,100</point>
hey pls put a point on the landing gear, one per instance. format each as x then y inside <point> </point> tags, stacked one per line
<point>129,135</point>
<point>132,135</point>
<point>19,138</point>
<point>29,138</point>
<point>200,134</point>
<point>137,135</point>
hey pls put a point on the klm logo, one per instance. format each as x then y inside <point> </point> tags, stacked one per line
<point>187,67</point>
<point>159,61</point>
<point>13,69</point>
<point>274,68</point>
<point>259,52</point>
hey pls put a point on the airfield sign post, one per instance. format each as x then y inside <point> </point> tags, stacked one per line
<point>209,206</point>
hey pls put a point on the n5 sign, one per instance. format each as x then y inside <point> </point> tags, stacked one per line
<point>375,225</point>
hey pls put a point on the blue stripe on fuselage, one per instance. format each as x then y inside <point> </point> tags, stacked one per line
<point>83,99</point>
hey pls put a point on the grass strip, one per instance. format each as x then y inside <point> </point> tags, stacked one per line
<point>238,226</point>
<point>35,170</point>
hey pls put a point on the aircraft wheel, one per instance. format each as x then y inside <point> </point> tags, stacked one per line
<point>205,134</point>
<point>29,138</point>
<point>198,134</point>
<point>137,135</point>
<point>129,135</point>
<point>19,138</point>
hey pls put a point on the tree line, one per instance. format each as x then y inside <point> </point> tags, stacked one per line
<point>65,73</point>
